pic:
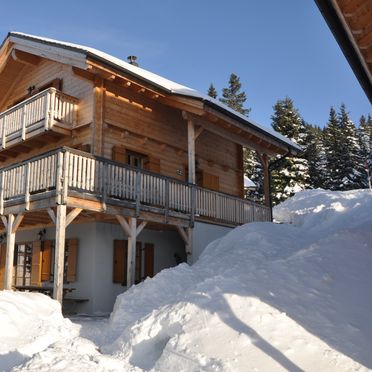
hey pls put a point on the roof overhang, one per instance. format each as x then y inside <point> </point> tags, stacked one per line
<point>353,33</point>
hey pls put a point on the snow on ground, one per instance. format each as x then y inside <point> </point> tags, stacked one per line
<point>29,323</point>
<point>292,296</point>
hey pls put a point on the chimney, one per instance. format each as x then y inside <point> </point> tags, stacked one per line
<point>132,60</point>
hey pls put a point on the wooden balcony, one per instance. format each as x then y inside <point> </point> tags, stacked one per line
<point>81,180</point>
<point>49,110</point>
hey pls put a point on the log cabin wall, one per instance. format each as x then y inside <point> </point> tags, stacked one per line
<point>137,123</point>
<point>40,75</point>
<point>143,125</point>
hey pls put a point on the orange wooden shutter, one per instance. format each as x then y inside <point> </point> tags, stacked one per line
<point>153,164</point>
<point>46,260</point>
<point>36,263</point>
<point>149,260</point>
<point>138,262</point>
<point>119,154</point>
<point>72,247</point>
<point>120,261</point>
<point>210,181</point>
<point>2,264</point>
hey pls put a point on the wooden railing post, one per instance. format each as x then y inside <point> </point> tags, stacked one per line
<point>104,185</point>
<point>27,186</point>
<point>166,196</point>
<point>24,113</point>
<point>47,111</point>
<point>52,94</point>
<point>193,205</point>
<point>138,192</point>
<point>61,185</point>
<point>3,142</point>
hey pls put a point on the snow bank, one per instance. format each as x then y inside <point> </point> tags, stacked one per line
<point>266,296</point>
<point>30,322</point>
<point>269,297</point>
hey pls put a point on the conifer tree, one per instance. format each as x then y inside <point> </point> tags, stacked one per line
<point>254,171</point>
<point>315,155</point>
<point>332,137</point>
<point>212,92</point>
<point>293,173</point>
<point>365,142</point>
<point>234,97</point>
<point>350,160</point>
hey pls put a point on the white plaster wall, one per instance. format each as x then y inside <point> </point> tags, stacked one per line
<point>95,260</point>
<point>203,234</point>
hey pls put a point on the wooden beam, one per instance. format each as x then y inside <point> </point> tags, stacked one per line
<point>52,215</point>
<point>183,234</point>
<point>124,224</point>
<point>131,261</point>
<point>72,215</point>
<point>198,132</point>
<point>9,259</point>
<point>17,222</point>
<point>59,253</point>
<point>98,117</point>
<point>141,227</point>
<point>25,58</point>
<point>190,147</point>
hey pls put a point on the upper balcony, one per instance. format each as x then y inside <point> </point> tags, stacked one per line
<point>81,180</point>
<point>49,110</point>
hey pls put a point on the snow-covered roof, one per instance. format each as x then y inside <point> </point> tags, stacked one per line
<point>158,81</point>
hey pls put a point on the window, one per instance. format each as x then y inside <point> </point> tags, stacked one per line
<point>135,159</point>
<point>23,264</point>
<point>33,262</point>
<point>144,261</point>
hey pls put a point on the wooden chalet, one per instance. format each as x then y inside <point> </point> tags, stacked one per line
<point>110,173</point>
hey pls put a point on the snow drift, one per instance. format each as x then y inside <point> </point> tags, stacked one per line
<point>292,296</point>
<point>29,323</point>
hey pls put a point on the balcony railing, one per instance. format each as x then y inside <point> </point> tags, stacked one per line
<point>43,110</point>
<point>66,172</point>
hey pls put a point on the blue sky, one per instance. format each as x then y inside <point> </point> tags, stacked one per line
<point>278,48</point>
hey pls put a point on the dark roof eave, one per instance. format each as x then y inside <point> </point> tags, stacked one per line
<point>334,23</point>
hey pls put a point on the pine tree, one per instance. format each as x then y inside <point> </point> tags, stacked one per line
<point>332,137</point>
<point>212,92</point>
<point>254,171</point>
<point>293,173</point>
<point>365,142</point>
<point>315,155</point>
<point>234,97</point>
<point>350,160</point>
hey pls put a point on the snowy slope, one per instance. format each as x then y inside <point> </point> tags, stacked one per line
<point>266,297</point>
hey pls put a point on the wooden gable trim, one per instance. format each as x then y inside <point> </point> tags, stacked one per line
<point>51,52</point>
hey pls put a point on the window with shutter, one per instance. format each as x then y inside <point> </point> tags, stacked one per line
<point>46,260</point>
<point>119,154</point>
<point>35,264</point>
<point>71,250</point>
<point>120,261</point>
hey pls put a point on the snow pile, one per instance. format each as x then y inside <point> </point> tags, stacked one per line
<point>268,297</point>
<point>30,322</point>
<point>265,296</point>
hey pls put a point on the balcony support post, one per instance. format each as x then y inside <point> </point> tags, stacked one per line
<point>11,224</point>
<point>187,236</point>
<point>132,231</point>
<point>59,258</point>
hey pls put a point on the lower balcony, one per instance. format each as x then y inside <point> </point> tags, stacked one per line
<point>81,180</point>
<point>49,110</point>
